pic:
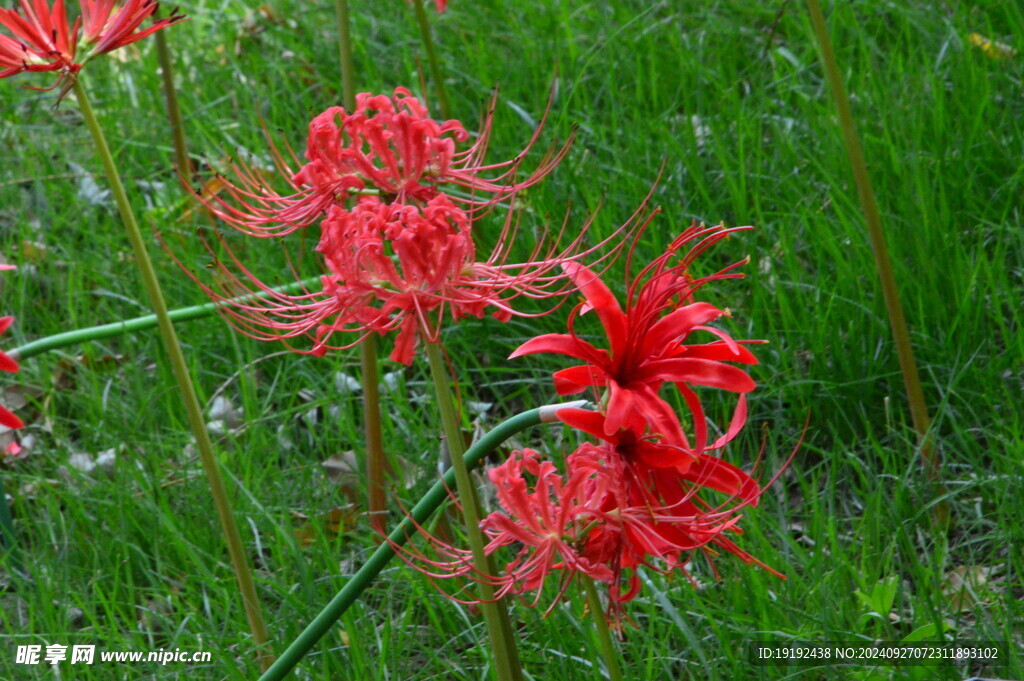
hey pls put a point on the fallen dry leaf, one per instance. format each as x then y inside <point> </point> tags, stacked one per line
<point>342,470</point>
<point>336,521</point>
<point>210,189</point>
<point>964,587</point>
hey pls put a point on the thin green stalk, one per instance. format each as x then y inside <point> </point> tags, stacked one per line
<point>418,517</point>
<point>187,391</point>
<point>611,656</point>
<point>183,314</point>
<point>173,109</point>
<point>376,463</point>
<point>348,81</point>
<point>8,539</point>
<point>883,263</point>
<point>499,629</point>
<point>435,66</point>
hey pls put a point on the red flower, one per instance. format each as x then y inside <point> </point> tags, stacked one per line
<point>669,449</point>
<point>398,267</point>
<point>658,513</point>
<point>603,518</point>
<point>642,496</point>
<point>388,146</point>
<point>648,346</point>
<point>42,39</point>
<point>393,265</point>
<point>105,28</point>
<point>7,364</point>
<point>548,523</point>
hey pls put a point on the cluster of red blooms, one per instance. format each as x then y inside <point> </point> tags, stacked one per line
<point>396,202</point>
<point>633,497</point>
<point>8,364</point>
<point>42,38</point>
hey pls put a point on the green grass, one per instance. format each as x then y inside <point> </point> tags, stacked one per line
<point>730,97</point>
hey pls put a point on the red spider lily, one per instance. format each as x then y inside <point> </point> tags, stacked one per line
<point>105,29</point>
<point>645,447</point>
<point>658,513</point>
<point>43,40</point>
<point>648,345</point>
<point>399,264</point>
<point>405,268</point>
<point>7,364</point>
<point>388,146</point>
<point>547,522</point>
<point>610,516</point>
<point>603,518</point>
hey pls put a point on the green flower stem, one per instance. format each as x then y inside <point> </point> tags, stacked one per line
<point>348,81</point>
<point>499,629</point>
<point>376,464</point>
<point>419,515</point>
<point>243,574</point>
<point>8,539</point>
<point>173,109</point>
<point>435,66</point>
<point>94,333</point>
<point>883,263</point>
<point>611,656</point>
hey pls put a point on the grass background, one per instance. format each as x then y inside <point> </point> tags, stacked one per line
<point>730,97</point>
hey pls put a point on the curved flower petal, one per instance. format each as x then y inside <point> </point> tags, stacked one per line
<point>6,363</point>
<point>720,351</point>
<point>560,344</point>
<point>10,420</point>
<point>588,421</point>
<point>698,372</point>
<point>660,417</point>
<point>603,302</point>
<point>620,410</point>
<point>739,417</point>
<point>662,456</point>
<point>721,476</point>
<point>578,378</point>
<point>676,325</point>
